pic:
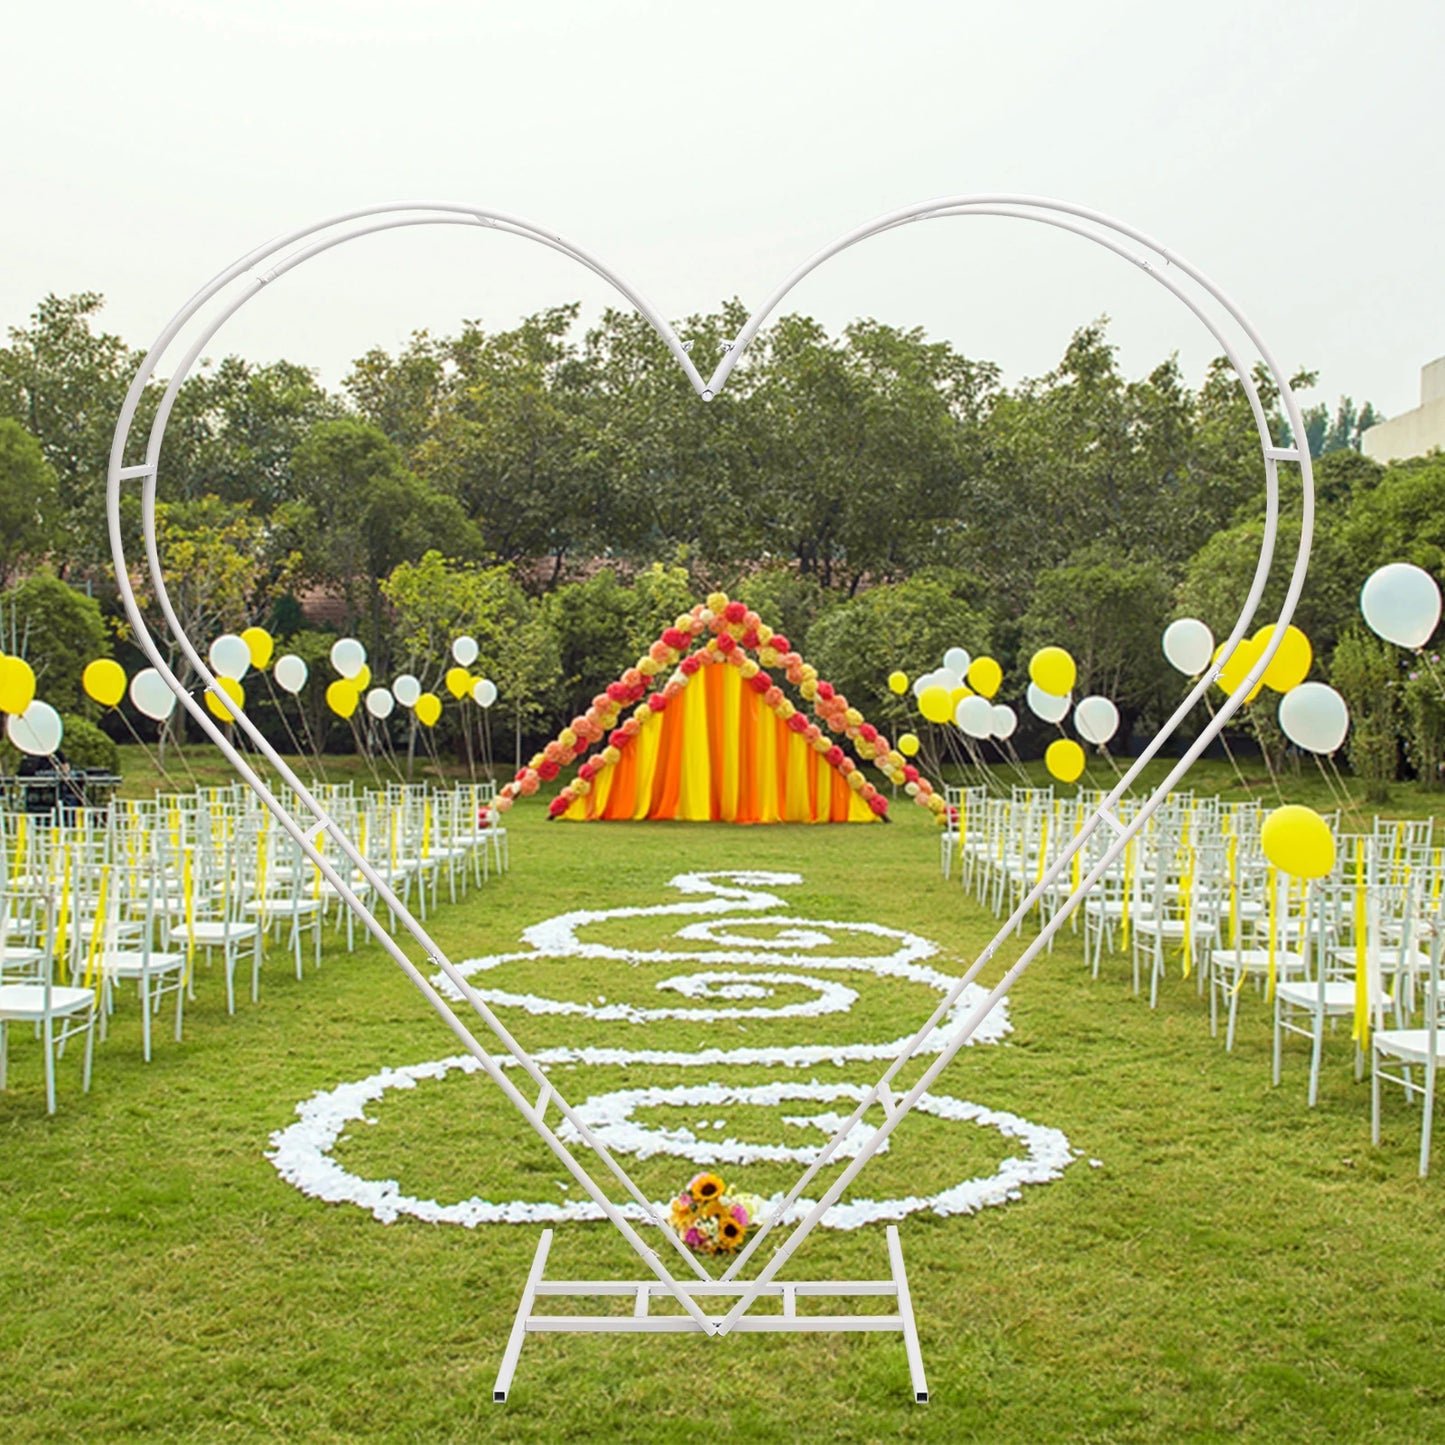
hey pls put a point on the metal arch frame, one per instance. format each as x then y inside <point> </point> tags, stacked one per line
<point>274,259</point>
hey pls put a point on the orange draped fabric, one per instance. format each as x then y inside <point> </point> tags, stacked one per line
<point>718,753</point>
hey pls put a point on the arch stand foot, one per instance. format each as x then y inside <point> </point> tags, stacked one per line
<point>643,1321</point>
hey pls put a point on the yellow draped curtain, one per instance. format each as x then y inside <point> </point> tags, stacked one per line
<point>717,753</point>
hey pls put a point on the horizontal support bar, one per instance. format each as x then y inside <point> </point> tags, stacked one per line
<point>682,1325</point>
<point>707,1288</point>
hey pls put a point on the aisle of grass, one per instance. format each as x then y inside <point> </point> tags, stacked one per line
<point>1237,1266</point>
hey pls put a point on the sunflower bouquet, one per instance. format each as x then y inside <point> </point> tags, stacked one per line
<point>711,1220</point>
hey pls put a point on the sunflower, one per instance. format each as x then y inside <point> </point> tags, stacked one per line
<point>706,1187</point>
<point>729,1233</point>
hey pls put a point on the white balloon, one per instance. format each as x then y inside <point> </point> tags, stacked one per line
<point>380,702</point>
<point>1046,706</point>
<point>290,673</point>
<point>230,657</point>
<point>464,650</point>
<point>1313,716</point>
<point>406,689</point>
<point>484,692</point>
<point>946,677</point>
<point>1005,720</point>
<point>956,659</point>
<point>1401,603</point>
<point>939,677</point>
<point>37,730</point>
<point>1096,719</point>
<point>348,656</point>
<point>152,695</point>
<point>1189,646</point>
<point>974,715</point>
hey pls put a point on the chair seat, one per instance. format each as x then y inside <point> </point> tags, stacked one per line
<point>284,906</point>
<point>1410,1046</point>
<point>122,964</point>
<point>19,954</point>
<point>27,1001</point>
<point>1174,927</point>
<point>207,932</point>
<point>1256,960</point>
<point>1339,997</point>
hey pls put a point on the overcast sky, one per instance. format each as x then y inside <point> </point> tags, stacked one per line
<point>1293,151</point>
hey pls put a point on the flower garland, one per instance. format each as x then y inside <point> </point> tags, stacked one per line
<point>733,632</point>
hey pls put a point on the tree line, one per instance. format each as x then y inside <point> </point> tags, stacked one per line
<point>561,494</point>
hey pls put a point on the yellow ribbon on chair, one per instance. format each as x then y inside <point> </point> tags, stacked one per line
<point>1361,1031</point>
<point>188,904</point>
<point>97,932</point>
<point>1272,900</point>
<point>1128,892</point>
<point>1186,887</point>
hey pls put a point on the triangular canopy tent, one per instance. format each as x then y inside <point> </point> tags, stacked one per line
<point>716,739</point>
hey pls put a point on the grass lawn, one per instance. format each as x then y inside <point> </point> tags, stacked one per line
<point>1237,1266</point>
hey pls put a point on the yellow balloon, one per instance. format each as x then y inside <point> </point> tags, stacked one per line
<point>222,707</point>
<point>908,745</point>
<point>428,709</point>
<point>934,704</point>
<point>898,683</point>
<point>342,697</point>
<point>1291,664</point>
<point>985,677</point>
<point>260,644</point>
<point>458,681</point>
<point>1064,759</point>
<point>1053,671</point>
<point>1234,669</point>
<point>955,696</point>
<point>362,680</point>
<point>104,680</point>
<point>17,684</point>
<point>1298,841</point>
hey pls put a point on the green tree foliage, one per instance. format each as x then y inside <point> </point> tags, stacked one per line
<point>1343,431</point>
<point>65,382</point>
<point>1112,614</point>
<point>29,500</point>
<point>904,625</point>
<point>359,512</point>
<point>1365,673</point>
<point>873,493</point>
<point>57,629</point>
<point>86,746</point>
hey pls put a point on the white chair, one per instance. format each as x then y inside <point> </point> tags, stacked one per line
<point>1411,1048</point>
<point>213,918</point>
<point>135,959</point>
<point>57,1013</point>
<point>1325,993</point>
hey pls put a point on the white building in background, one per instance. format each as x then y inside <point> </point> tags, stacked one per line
<point>1412,433</point>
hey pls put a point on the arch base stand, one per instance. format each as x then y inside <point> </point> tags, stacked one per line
<point>642,1321</point>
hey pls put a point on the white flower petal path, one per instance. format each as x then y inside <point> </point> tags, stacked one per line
<point>302,1153</point>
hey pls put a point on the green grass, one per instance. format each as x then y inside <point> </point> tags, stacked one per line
<point>1240,1266</point>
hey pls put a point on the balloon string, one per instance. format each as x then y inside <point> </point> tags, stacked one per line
<point>1264,752</point>
<point>281,713</point>
<point>1430,667</point>
<point>1228,751</point>
<point>153,760</point>
<point>1345,791</point>
<point>365,751</point>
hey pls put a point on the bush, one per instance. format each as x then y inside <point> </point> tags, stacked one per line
<point>85,746</point>
<point>1424,709</point>
<point>1363,670</point>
